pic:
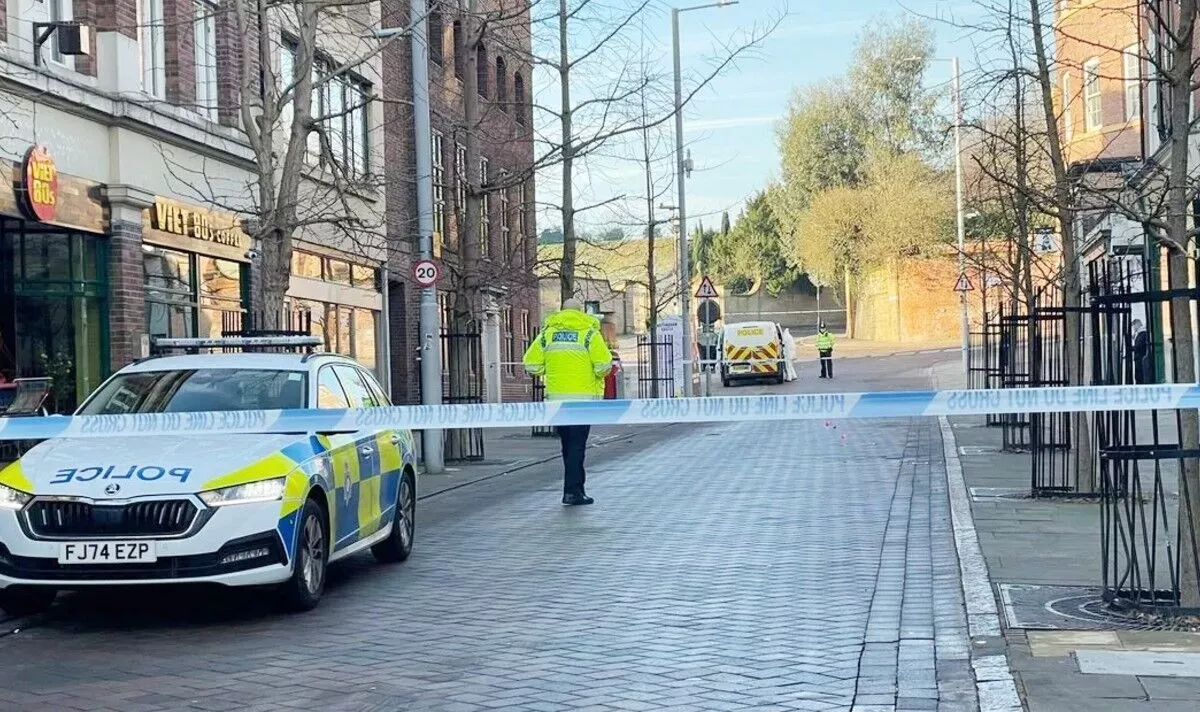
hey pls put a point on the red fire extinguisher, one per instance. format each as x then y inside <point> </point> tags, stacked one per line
<point>610,381</point>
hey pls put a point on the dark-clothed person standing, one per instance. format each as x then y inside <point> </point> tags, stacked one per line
<point>1141,353</point>
<point>825,351</point>
<point>572,358</point>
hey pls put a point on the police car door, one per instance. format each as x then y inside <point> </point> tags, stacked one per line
<point>360,506</point>
<point>342,453</point>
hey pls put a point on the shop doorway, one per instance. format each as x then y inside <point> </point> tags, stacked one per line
<point>53,308</point>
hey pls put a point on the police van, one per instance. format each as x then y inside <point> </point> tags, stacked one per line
<point>239,510</point>
<point>752,350</point>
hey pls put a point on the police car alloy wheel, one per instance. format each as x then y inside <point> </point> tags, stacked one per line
<point>26,600</point>
<point>303,590</point>
<point>398,546</point>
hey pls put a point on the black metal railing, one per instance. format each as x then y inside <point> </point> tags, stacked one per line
<point>655,368</point>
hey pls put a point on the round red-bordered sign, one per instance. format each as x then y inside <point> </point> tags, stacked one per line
<point>39,185</point>
<point>426,273</point>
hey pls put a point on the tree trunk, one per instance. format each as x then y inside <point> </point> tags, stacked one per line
<point>464,348</point>
<point>850,306</point>
<point>567,268</point>
<point>1179,78</point>
<point>651,278</point>
<point>1085,476</point>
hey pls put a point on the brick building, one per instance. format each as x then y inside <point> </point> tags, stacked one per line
<point>142,178</point>
<point>1100,69</point>
<point>508,235</point>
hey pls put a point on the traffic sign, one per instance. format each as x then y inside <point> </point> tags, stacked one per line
<point>1045,240</point>
<point>426,273</point>
<point>964,284</point>
<point>708,312</point>
<point>706,289</point>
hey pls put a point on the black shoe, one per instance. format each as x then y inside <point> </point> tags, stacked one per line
<point>576,499</point>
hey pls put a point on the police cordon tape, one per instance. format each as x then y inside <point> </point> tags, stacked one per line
<point>660,411</point>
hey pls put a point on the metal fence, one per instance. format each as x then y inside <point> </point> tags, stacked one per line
<point>462,383</point>
<point>655,368</point>
<point>1148,540</point>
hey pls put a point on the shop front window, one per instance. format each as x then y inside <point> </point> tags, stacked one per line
<point>53,309</point>
<point>349,331</point>
<point>189,295</point>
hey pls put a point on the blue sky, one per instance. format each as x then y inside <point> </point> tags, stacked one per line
<point>730,126</point>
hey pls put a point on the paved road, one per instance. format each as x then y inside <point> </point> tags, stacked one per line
<point>742,567</point>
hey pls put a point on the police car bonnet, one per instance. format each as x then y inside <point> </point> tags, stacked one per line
<point>142,465</point>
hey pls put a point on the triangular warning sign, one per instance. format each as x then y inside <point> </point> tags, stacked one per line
<point>963,285</point>
<point>706,290</point>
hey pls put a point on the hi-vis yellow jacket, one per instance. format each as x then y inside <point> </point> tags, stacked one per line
<point>824,341</point>
<point>570,354</point>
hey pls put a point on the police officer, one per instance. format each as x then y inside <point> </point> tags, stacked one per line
<point>825,351</point>
<point>572,358</point>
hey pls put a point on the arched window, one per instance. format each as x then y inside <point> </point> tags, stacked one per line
<point>436,34</point>
<point>460,57</point>
<point>519,97</point>
<point>501,84</point>
<point>481,69</point>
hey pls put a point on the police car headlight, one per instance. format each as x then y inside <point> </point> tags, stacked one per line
<point>261,491</point>
<point>12,498</point>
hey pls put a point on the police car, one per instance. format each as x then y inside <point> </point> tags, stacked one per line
<point>239,510</point>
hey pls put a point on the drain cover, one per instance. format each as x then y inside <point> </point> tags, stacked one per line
<point>1061,608</point>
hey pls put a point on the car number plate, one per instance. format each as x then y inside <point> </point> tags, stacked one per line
<point>107,552</point>
<point>742,368</point>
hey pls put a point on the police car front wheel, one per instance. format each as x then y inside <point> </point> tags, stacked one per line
<point>303,590</point>
<point>26,600</point>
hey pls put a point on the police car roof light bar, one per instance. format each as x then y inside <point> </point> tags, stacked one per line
<point>236,341</point>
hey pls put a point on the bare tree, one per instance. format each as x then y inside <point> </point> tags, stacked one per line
<point>307,76</point>
<point>597,74</point>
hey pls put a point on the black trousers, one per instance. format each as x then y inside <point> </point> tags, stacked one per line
<point>574,446</point>
<point>826,363</point>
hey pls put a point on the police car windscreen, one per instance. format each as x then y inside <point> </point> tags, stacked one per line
<point>199,390</point>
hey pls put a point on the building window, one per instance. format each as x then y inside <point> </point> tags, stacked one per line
<point>460,183</point>
<point>1067,99</point>
<point>1132,72</point>
<point>505,226</point>
<point>205,41</point>
<point>526,326</point>
<point>341,105</point>
<point>190,295</point>
<point>459,51</point>
<point>501,84</point>
<point>522,211</point>
<point>1091,94</point>
<point>152,43</point>
<point>481,70</point>
<point>485,241</point>
<point>439,191</point>
<point>62,11</point>
<point>334,270</point>
<point>436,33</point>
<point>519,97</point>
<point>348,331</point>
<point>509,344</point>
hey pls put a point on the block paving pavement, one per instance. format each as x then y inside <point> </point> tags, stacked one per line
<point>798,567</point>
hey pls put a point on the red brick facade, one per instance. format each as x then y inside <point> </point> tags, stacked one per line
<point>505,143</point>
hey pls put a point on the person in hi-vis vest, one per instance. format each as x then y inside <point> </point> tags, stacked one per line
<point>572,358</point>
<point>825,351</point>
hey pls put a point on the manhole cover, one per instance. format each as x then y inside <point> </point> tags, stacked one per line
<point>978,493</point>
<point>1061,608</point>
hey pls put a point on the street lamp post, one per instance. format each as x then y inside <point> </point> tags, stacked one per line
<point>680,169</point>
<point>956,90</point>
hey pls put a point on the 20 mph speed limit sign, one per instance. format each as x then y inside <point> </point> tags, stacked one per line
<point>426,273</point>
